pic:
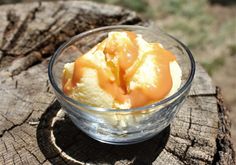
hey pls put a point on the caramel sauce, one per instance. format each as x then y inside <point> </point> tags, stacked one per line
<point>104,78</point>
<point>121,58</point>
<point>67,86</point>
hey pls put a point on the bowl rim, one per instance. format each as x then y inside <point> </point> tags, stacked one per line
<point>100,109</point>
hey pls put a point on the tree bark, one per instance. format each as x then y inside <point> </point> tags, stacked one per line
<point>34,129</point>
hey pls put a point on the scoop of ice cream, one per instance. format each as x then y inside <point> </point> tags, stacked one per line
<point>122,71</point>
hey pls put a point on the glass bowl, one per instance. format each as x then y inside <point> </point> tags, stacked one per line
<point>121,126</point>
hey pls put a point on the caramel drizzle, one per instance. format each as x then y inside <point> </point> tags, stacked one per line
<point>120,56</point>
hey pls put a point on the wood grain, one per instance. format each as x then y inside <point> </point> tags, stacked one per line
<point>34,129</point>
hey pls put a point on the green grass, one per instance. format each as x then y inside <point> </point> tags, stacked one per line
<point>200,29</point>
<point>214,65</point>
<point>136,5</point>
<point>184,8</point>
<point>227,30</point>
<point>232,49</point>
<point>190,19</point>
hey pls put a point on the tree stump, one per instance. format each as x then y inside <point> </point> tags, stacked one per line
<point>34,129</point>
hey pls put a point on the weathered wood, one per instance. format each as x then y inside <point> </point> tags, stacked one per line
<point>33,128</point>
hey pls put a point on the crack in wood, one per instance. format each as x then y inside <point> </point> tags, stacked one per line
<point>21,138</point>
<point>4,161</point>
<point>1,55</point>
<point>12,136</point>
<point>189,137</point>
<point>16,125</point>
<point>202,95</point>
<point>224,146</point>
<point>131,21</point>
<point>17,153</point>
<point>188,160</point>
<point>187,148</point>
<point>26,62</point>
<point>48,90</point>
<point>198,124</point>
<point>7,119</point>
<point>22,28</point>
<point>27,160</point>
<point>25,146</point>
<point>177,136</point>
<point>5,146</point>
<point>16,84</point>
<point>27,133</point>
<point>61,7</point>
<point>190,122</point>
<point>48,39</point>
<point>14,160</point>
<point>13,20</point>
<point>175,155</point>
<point>31,153</point>
<point>185,156</point>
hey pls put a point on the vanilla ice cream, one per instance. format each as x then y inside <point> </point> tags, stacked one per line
<point>123,71</point>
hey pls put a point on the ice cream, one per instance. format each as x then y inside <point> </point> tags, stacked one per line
<point>123,71</point>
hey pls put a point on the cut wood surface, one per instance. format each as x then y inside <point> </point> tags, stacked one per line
<point>34,129</point>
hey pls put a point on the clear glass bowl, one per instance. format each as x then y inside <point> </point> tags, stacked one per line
<point>121,126</point>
